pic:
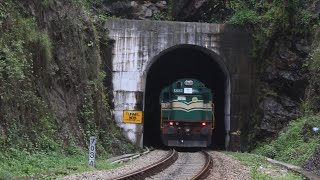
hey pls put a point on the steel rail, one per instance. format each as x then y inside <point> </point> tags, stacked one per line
<point>206,168</point>
<point>151,169</point>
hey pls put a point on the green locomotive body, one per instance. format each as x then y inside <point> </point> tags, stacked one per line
<point>187,114</point>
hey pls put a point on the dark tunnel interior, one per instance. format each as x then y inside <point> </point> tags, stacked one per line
<point>183,62</point>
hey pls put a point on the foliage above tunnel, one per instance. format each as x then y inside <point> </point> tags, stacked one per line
<point>285,15</point>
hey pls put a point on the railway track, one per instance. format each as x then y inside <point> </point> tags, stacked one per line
<point>183,165</point>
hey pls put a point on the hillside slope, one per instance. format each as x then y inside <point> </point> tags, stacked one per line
<point>53,91</point>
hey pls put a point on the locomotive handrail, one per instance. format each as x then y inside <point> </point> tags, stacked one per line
<point>213,116</point>
<point>161,125</point>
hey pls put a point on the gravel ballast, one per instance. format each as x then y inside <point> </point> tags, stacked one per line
<point>134,165</point>
<point>226,168</point>
<point>186,166</point>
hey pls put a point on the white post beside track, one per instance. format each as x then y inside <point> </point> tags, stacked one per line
<point>92,151</point>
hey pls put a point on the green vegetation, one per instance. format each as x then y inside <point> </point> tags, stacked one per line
<point>162,16</point>
<point>269,20</point>
<point>243,14</point>
<point>272,17</point>
<point>312,102</point>
<point>296,144</point>
<point>52,92</point>
<point>53,97</point>
<point>94,11</point>
<point>261,169</point>
<point>165,16</point>
<point>21,107</point>
<point>16,163</point>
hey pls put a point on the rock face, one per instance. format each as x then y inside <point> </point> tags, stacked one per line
<point>315,8</point>
<point>62,95</point>
<point>277,112</point>
<point>135,9</point>
<point>179,10</point>
<point>200,10</point>
<point>283,82</point>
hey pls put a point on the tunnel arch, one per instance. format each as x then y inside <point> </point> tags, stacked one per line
<point>210,59</point>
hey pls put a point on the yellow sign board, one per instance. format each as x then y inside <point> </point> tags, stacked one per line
<point>132,116</point>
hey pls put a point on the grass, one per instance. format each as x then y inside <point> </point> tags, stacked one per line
<point>261,169</point>
<point>46,165</point>
<point>294,145</point>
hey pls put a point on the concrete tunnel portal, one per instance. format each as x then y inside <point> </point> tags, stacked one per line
<point>148,55</point>
<point>187,61</point>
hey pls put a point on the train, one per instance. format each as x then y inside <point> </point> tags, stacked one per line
<point>187,114</point>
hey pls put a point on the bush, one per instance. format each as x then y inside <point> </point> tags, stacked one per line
<point>4,175</point>
<point>272,17</point>
<point>291,145</point>
<point>244,17</point>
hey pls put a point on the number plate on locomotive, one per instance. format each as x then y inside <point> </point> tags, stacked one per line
<point>187,90</point>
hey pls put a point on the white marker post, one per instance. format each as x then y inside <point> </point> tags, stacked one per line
<point>92,151</point>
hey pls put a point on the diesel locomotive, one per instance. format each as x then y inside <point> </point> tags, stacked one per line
<point>187,114</point>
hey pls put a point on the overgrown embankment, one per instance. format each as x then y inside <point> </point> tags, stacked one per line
<point>288,72</point>
<point>297,144</point>
<point>53,95</point>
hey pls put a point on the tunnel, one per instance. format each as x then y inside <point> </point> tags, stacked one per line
<point>186,61</point>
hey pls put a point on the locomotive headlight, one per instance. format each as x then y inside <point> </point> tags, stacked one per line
<point>187,130</point>
<point>171,123</point>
